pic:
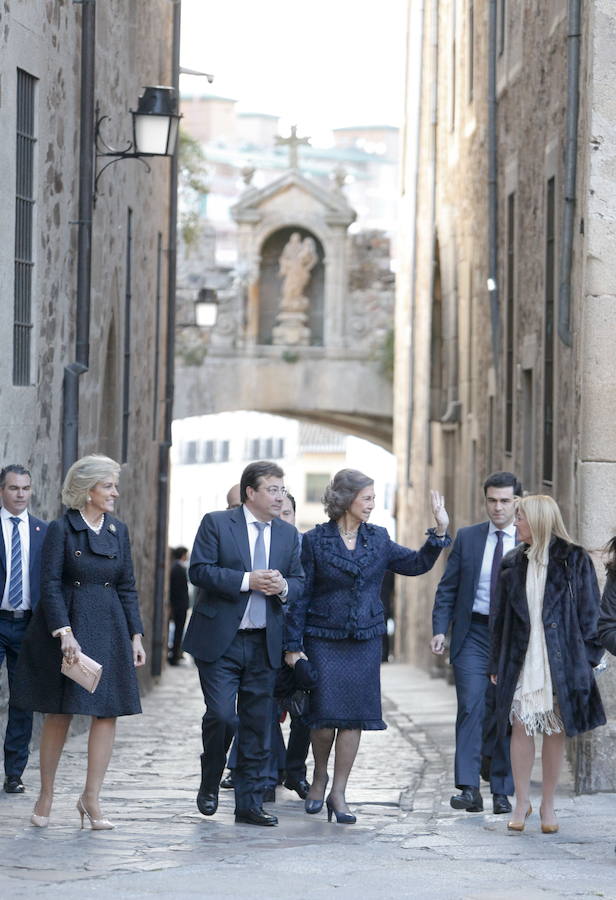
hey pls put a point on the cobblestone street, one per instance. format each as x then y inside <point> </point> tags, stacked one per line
<point>408,841</point>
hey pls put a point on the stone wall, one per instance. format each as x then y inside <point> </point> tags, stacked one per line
<point>133,49</point>
<point>451,393</point>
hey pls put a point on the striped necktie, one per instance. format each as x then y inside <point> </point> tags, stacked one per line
<point>15,587</point>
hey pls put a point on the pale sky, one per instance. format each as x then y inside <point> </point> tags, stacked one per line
<point>320,64</point>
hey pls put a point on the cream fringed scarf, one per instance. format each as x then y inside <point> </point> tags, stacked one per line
<point>533,703</point>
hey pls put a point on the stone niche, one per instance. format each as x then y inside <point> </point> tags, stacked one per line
<point>270,282</point>
<point>292,215</point>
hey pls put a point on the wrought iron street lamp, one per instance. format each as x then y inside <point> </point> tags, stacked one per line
<point>155,130</point>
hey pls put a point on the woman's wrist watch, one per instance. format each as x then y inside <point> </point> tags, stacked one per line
<point>59,632</point>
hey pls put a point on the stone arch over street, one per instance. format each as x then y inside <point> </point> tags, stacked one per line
<point>304,322</point>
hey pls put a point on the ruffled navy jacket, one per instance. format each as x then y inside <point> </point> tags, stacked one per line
<point>341,597</point>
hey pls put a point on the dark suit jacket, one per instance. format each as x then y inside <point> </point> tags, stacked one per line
<point>453,603</point>
<point>37,533</point>
<point>220,557</point>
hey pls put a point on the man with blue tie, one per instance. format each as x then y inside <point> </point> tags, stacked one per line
<point>20,556</point>
<point>463,599</point>
<point>246,564</point>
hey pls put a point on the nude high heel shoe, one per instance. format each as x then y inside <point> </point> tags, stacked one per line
<point>519,826</point>
<point>548,829</point>
<point>95,824</point>
<point>39,821</point>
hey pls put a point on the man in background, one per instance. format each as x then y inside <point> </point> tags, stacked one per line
<point>178,600</point>
<point>463,599</point>
<point>20,566</point>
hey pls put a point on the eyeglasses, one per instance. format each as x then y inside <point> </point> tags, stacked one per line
<point>275,491</point>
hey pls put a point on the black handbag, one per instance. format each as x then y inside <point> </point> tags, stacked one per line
<point>296,704</point>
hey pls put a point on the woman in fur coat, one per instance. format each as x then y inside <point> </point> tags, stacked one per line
<point>544,648</point>
<point>607,617</point>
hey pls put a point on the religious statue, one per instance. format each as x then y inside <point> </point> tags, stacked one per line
<point>296,262</point>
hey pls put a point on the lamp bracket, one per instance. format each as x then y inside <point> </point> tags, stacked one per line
<point>103,149</point>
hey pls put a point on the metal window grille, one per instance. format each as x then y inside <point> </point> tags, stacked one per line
<point>509,323</point>
<point>24,223</point>
<point>548,333</point>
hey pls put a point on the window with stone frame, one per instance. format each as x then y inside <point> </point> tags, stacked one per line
<point>316,482</point>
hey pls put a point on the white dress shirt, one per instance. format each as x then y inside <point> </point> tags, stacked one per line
<point>481,602</point>
<point>253,533</point>
<point>252,540</point>
<point>24,537</point>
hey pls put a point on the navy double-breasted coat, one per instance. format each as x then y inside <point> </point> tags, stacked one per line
<point>87,582</point>
<point>570,612</point>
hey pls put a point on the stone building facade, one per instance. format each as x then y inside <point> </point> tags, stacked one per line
<point>506,306</point>
<point>122,393</point>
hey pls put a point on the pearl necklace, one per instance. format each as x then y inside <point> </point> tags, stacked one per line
<point>97,526</point>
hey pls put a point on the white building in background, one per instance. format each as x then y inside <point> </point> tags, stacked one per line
<point>210,452</point>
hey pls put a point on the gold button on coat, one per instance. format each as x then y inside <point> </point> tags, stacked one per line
<point>77,583</point>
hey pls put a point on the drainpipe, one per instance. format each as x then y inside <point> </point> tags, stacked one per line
<point>493,189</point>
<point>165,445</point>
<point>574,38</point>
<point>72,372</point>
<point>419,72</point>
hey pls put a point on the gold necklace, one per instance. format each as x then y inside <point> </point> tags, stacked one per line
<point>348,535</point>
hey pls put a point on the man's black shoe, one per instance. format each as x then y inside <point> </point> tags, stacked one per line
<point>269,795</point>
<point>13,784</point>
<point>227,782</point>
<point>207,802</point>
<point>300,787</point>
<point>486,764</point>
<point>255,816</point>
<point>470,799</point>
<point>500,804</point>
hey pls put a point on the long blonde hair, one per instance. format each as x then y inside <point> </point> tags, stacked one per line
<point>544,520</point>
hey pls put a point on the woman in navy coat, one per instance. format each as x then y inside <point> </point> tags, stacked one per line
<point>338,624</point>
<point>544,648</point>
<point>88,603</point>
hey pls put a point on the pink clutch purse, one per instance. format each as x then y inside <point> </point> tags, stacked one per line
<point>85,671</point>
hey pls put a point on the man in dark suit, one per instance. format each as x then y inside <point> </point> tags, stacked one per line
<point>178,601</point>
<point>463,600</point>
<point>246,563</point>
<point>20,556</point>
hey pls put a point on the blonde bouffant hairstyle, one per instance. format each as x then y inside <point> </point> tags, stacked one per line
<point>544,520</point>
<point>83,475</point>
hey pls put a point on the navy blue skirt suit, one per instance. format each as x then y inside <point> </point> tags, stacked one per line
<point>87,582</point>
<point>339,620</point>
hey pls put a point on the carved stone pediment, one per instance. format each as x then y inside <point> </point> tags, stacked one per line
<point>292,190</point>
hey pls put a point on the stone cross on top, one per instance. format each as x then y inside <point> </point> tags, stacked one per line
<point>293,142</point>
